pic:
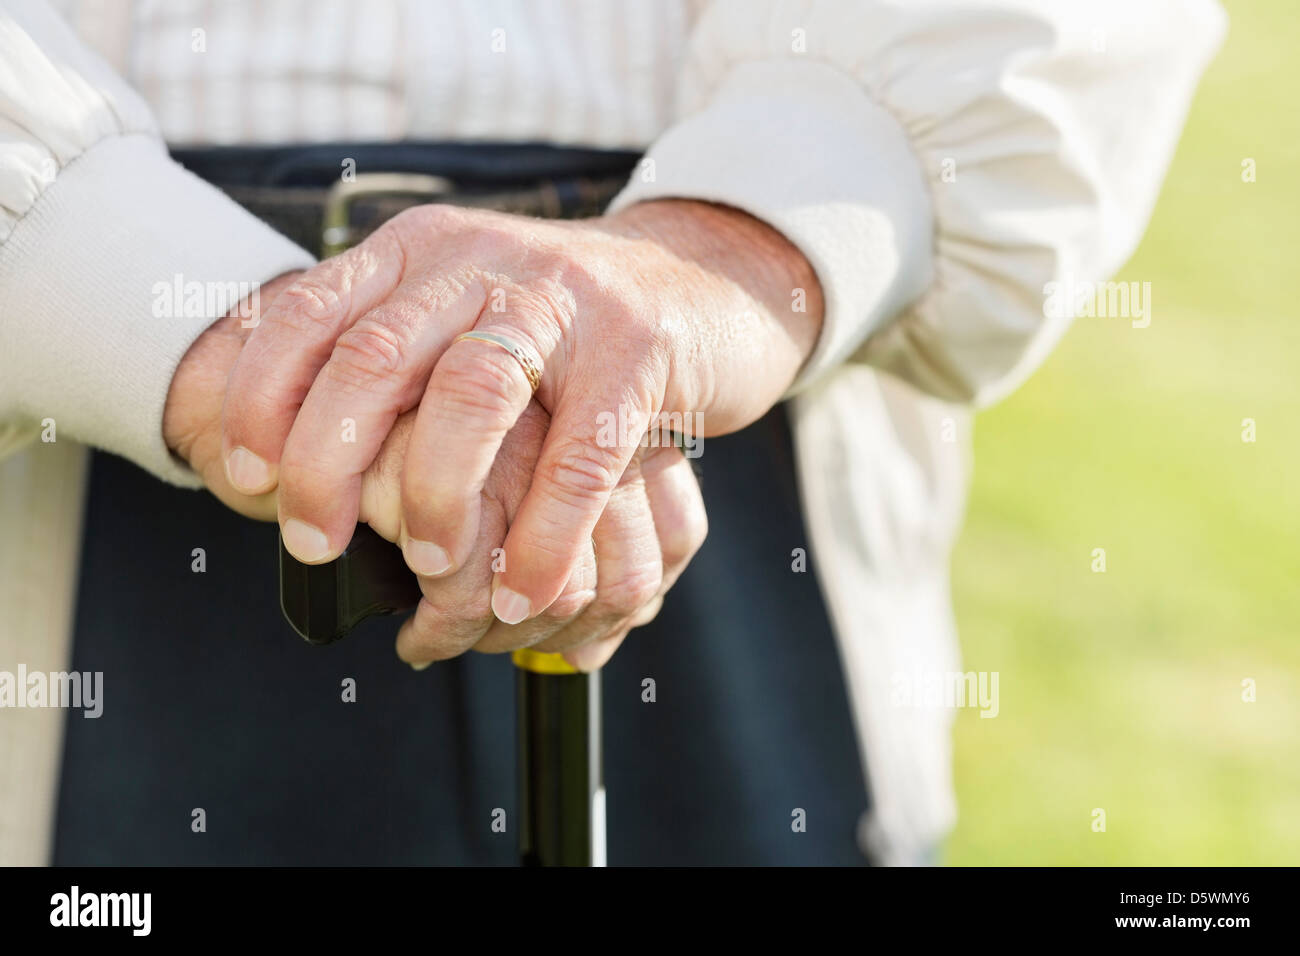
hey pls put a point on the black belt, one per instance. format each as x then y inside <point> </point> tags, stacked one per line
<point>326,197</point>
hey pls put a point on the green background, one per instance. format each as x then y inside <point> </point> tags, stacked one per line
<point>1123,690</point>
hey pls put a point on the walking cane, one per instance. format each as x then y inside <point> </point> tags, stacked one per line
<point>561,789</point>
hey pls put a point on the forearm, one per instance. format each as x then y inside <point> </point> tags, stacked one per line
<point>98,227</point>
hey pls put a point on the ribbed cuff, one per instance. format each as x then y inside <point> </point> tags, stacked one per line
<point>93,331</point>
<point>801,146</point>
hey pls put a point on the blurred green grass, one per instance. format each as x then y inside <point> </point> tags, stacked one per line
<point>1123,690</point>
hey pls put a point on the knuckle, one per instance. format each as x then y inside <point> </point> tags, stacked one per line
<point>585,274</point>
<point>486,233</point>
<point>385,246</point>
<point>553,299</point>
<point>632,591</point>
<point>646,333</point>
<point>308,302</point>
<point>680,542</point>
<point>580,472</point>
<point>424,217</point>
<point>459,610</point>
<point>370,351</point>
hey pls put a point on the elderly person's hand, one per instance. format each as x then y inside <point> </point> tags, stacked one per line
<point>671,307</point>
<point>651,528</point>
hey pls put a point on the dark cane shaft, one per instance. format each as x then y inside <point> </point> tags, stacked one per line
<point>561,791</point>
<point>561,788</point>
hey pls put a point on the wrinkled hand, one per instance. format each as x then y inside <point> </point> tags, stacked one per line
<point>670,307</point>
<point>652,527</point>
<point>654,523</point>
<point>192,415</point>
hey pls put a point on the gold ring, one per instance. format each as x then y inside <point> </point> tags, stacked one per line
<point>521,354</point>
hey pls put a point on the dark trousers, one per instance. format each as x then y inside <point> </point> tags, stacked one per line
<point>212,703</point>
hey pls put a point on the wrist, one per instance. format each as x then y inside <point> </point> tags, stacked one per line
<point>744,304</point>
<point>742,250</point>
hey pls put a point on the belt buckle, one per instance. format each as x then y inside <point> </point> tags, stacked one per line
<point>336,228</point>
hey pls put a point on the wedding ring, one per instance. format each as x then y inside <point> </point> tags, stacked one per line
<point>521,354</point>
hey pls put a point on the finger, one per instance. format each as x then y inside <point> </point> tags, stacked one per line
<point>629,566</point>
<point>647,613</point>
<point>681,525</point>
<point>594,655</point>
<point>377,370</point>
<point>576,475</point>
<point>577,596</point>
<point>455,611</point>
<point>381,485</point>
<point>291,342</point>
<point>433,634</point>
<point>681,522</point>
<point>474,397</point>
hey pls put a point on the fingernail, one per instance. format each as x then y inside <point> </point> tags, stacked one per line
<point>246,471</point>
<point>425,557</point>
<point>420,665</point>
<point>509,607</point>
<point>305,542</point>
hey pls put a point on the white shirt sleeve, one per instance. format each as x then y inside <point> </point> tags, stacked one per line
<point>939,162</point>
<point>96,220</point>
